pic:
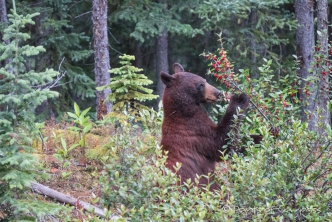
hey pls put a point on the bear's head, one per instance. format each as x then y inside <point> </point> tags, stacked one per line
<point>187,88</point>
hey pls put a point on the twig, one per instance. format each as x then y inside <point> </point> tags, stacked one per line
<point>63,59</point>
<point>59,77</point>
<point>259,110</point>
<point>115,49</point>
<point>238,88</point>
<point>83,14</point>
<point>56,81</point>
<point>113,36</point>
<point>317,158</point>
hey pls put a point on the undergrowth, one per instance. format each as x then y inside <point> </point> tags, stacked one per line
<point>287,177</point>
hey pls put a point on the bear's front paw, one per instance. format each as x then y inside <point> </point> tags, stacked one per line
<point>241,100</point>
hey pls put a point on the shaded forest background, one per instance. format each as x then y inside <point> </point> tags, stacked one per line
<point>157,33</point>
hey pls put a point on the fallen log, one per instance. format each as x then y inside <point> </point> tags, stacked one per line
<point>44,190</point>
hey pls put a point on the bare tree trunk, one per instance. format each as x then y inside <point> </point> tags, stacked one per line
<point>323,89</point>
<point>252,22</point>
<point>101,53</point>
<point>3,12</point>
<point>41,33</point>
<point>162,61</point>
<point>304,13</point>
<point>138,55</point>
<point>4,20</point>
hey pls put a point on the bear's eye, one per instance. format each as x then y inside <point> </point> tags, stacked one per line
<point>200,87</point>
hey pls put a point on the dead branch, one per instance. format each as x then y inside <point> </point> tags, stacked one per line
<point>41,189</point>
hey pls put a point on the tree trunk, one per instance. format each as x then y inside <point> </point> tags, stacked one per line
<point>304,13</point>
<point>138,55</point>
<point>41,33</point>
<point>101,55</point>
<point>4,20</point>
<point>323,87</point>
<point>3,12</point>
<point>252,23</point>
<point>162,61</point>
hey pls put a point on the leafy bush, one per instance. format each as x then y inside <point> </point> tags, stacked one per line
<point>137,185</point>
<point>286,177</point>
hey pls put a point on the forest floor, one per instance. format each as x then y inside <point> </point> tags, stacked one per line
<point>74,175</point>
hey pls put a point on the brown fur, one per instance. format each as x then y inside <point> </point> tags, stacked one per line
<point>188,134</point>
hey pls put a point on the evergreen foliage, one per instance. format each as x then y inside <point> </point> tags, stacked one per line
<point>151,18</point>
<point>21,92</point>
<point>66,42</point>
<point>128,88</point>
<point>252,30</point>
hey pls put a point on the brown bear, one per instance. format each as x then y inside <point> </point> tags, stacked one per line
<point>188,134</point>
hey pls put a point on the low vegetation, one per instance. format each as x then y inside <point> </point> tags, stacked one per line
<point>116,164</point>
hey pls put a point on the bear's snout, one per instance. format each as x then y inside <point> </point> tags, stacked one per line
<point>211,94</point>
<point>217,93</point>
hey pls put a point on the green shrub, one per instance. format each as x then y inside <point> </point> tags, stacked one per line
<point>285,178</point>
<point>137,186</point>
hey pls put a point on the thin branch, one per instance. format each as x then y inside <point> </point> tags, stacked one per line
<point>83,14</point>
<point>65,83</point>
<point>115,49</point>
<point>74,4</point>
<point>322,174</point>
<point>63,59</point>
<point>113,36</point>
<point>56,81</point>
<point>238,88</point>
<point>59,77</point>
<point>320,155</point>
<point>259,110</point>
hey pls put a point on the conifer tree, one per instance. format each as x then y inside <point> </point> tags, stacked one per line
<point>20,93</point>
<point>157,20</point>
<point>62,28</point>
<point>128,89</point>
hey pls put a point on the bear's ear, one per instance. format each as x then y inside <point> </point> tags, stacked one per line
<point>166,78</point>
<point>177,68</point>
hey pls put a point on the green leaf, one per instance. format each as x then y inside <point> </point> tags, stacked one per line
<point>77,109</point>
<point>73,146</point>
<point>87,128</point>
<point>58,156</point>
<point>85,111</point>
<point>63,143</point>
<point>72,115</point>
<point>67,163</point>
<point>81,142</point>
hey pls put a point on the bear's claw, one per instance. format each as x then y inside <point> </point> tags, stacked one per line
<point>242,100</point>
